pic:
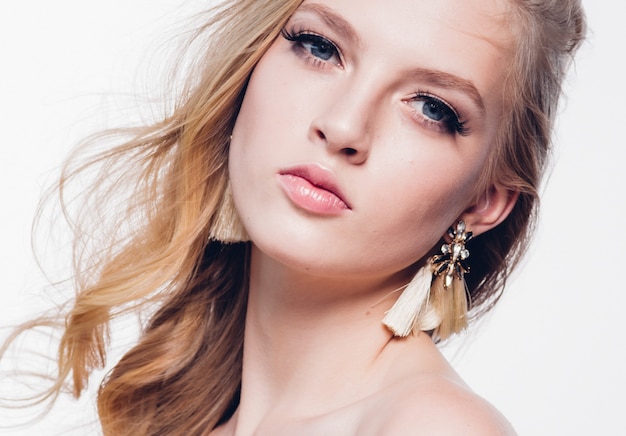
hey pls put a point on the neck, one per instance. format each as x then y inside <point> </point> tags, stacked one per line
<point>312,344</point>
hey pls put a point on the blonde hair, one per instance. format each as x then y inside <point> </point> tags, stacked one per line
<point>184,375</point>
<point>156,252</point>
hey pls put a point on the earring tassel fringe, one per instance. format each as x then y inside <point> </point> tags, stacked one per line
<point>402,317</point>
<point>227,227</point>
<point>451,303</point>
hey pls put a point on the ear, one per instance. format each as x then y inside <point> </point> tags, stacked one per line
<point>489,209</point>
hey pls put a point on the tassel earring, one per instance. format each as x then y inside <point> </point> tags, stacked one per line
<point>227,226</point>
<point>402,318</point>
<point>440,304</point>
<point>449,296</point>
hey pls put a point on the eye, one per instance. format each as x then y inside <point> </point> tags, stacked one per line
<point>436,113</point>
<point>314,46</point>
<point>435,110</point>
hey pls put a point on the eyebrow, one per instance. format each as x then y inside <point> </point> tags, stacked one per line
<point>444,80</point>
<point>436,78</point>
<point>332,19</point>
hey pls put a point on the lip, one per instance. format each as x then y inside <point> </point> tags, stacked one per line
<point>314,189</point>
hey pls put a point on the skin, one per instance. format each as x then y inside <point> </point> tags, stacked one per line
<point>317,359</point>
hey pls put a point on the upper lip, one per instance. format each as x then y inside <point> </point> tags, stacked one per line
<point>317,176</point>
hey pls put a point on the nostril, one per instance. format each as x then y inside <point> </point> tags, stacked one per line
<point>348,151</point>
<point>321,135</point>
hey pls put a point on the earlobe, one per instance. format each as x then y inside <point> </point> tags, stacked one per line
<point>490,209</point>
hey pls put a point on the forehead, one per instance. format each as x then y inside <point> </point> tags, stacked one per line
<point>489,19</point>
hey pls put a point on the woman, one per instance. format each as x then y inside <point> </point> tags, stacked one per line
<point>288,232</point>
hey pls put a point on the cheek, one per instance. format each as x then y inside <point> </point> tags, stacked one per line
<point>420,199</point>
<point>268,106</point>
<point>259,113</point>
<point>260,145</point>
<point>256,130</point>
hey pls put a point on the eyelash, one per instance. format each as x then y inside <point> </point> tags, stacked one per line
<point>301,39</point>
<point>453,122</point>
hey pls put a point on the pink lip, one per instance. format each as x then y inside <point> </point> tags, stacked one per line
<point>313,189</point>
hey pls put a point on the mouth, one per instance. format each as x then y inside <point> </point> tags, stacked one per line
<point>314,189</point>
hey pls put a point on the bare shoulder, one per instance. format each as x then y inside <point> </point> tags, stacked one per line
<point>440,406</point>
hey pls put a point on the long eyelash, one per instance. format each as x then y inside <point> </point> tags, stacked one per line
<point>288,35</point>
<point>301,37</point>
<point>456,124</point>
<point>461,127</point>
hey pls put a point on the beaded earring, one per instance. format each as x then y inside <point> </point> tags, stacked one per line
<point>443,301</point>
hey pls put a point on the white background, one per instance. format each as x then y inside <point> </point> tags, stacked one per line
<point>550,357</point>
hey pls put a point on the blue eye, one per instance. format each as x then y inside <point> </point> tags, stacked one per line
<point>314,45</point>
<point>435,110</point>
<point>318,46</point>
<point>437,114</point>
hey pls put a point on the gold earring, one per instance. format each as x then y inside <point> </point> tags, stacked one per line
<point>449,293</point>
<point>452,260</point>
<point>441,304</point>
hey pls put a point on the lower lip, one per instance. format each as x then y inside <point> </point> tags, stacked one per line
<point>310,197</point>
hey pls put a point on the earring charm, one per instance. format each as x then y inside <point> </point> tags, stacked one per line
<point>452,260</point>
<point>440,305</point>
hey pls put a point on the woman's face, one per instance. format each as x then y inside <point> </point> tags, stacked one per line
<point>364,130</point>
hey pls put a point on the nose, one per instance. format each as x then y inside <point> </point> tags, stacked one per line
<point>343,124</point>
